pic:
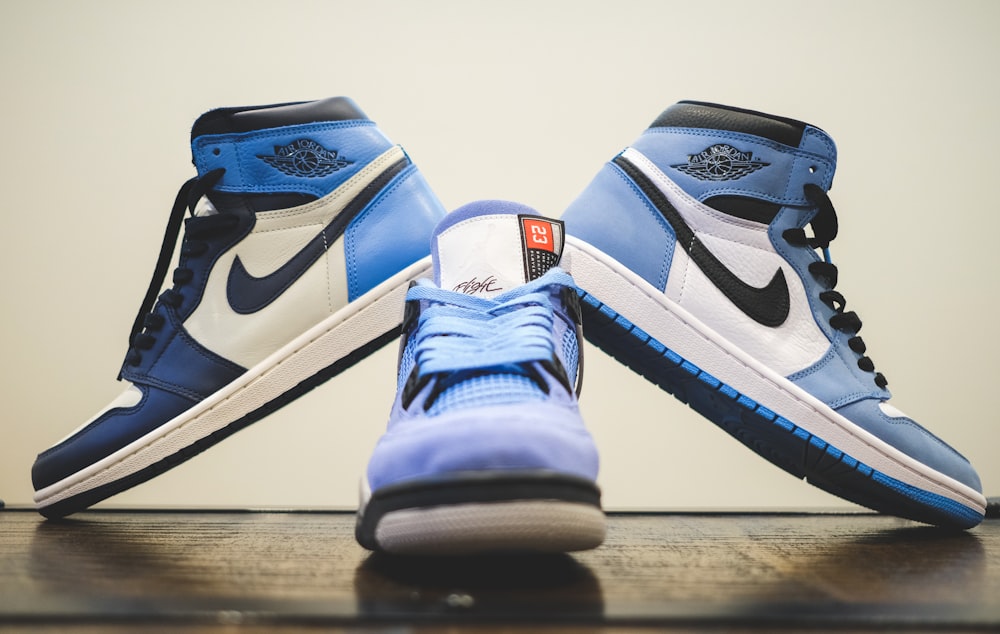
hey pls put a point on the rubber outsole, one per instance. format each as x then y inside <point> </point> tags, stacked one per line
<point>484,512</point>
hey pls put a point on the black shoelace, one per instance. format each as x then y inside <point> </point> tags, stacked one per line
<point>197,229</point>
<point>824,227</point>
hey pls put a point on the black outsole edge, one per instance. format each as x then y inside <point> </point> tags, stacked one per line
<point>93,496</point>
<point>479,487</point>
<point>993,508</point>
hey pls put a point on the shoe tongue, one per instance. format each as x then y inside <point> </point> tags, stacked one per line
<point>488,247</point>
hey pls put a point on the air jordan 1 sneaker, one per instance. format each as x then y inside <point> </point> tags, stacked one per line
<point>301,233</point>
<point>703,255</point>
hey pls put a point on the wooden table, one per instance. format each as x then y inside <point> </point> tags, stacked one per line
<point>198,571</point>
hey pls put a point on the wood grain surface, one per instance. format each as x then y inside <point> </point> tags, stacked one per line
<point>198,571</point>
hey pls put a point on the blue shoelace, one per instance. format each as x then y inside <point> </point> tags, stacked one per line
<point>461,336</point>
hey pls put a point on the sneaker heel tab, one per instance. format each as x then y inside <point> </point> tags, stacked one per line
<point>251,118</point>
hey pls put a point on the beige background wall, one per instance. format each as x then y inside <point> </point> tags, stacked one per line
<point>516,99</point>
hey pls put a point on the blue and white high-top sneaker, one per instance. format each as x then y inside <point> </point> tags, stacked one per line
<point>485,448</point>
<point>307,225</point>
<point>691,247</point>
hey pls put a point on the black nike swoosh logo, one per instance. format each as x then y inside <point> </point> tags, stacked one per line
<point>248,294</point>
<point>768,305</point>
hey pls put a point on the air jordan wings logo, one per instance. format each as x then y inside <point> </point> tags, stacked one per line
<point>720,162</point>
<point>305,158</point>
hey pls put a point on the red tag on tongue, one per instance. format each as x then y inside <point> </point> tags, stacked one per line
<point>543,244</point>
<point>537,234</point>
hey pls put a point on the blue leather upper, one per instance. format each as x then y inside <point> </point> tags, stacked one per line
<point>640,239</point>
<point>244,156</point>
<point>391,233</point>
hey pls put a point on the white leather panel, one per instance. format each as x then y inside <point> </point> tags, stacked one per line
<point>745,248</point>
<point>277,236</point>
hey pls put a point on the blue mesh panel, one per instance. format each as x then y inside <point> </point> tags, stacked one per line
<point>405,364</point>
<point>571,355</point>
<point>492,389</point>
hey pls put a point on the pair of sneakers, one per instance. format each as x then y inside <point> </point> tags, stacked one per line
<point>699,257</point>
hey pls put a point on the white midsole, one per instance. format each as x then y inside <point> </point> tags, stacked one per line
<point>531,525</point>
<point>636,300</point>
<point>343,332</point>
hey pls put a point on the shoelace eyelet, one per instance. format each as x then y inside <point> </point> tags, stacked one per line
<point>187,197</point>
<point>824,225</point>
